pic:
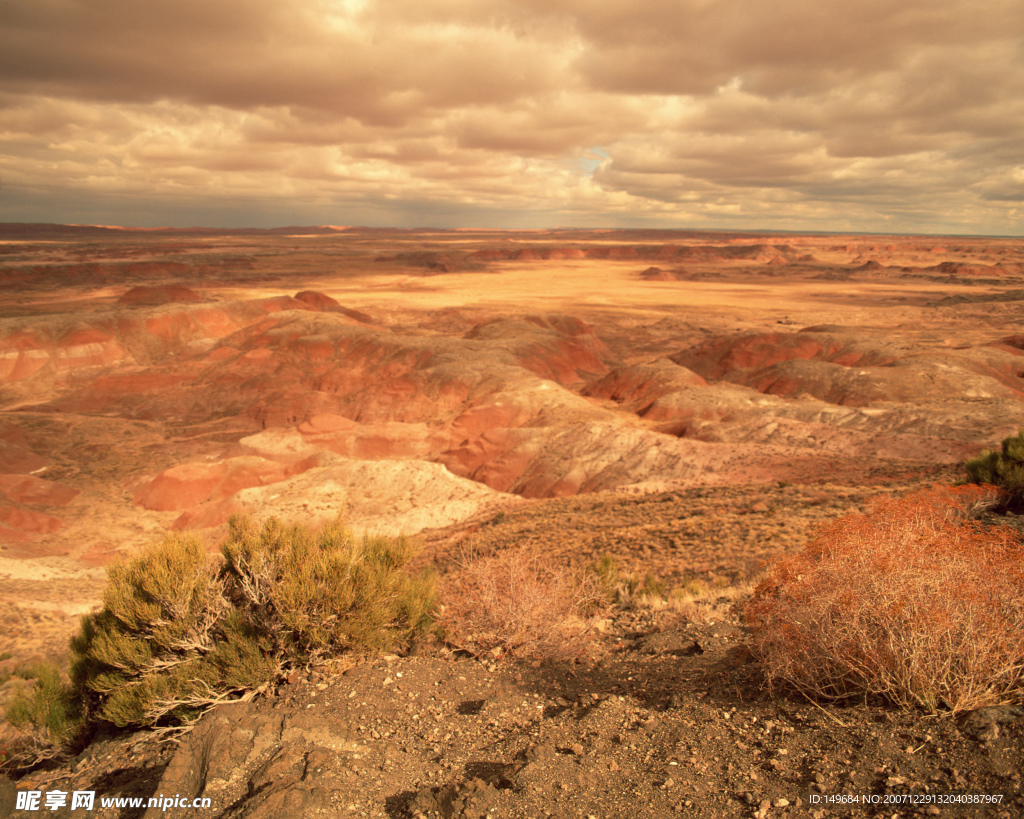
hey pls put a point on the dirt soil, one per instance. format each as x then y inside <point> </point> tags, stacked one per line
<point>662,715</point>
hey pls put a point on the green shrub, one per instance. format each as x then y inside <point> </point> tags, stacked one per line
<point>47,712</point>
<point>1004,469</point>
<point>181,630</point>
<point>145,655</point>
<point>321,594</point>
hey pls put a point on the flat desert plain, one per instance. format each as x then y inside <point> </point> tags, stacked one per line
<point>690,402</point>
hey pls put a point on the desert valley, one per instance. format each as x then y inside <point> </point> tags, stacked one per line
<point>691,403</point>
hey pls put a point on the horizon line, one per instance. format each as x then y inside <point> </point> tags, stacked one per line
<point>340,229</point>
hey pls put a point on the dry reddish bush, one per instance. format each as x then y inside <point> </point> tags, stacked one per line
<point>515,602</point>
<point>914,601</point>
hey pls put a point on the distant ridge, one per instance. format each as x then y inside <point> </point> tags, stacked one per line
<point>28,230</point>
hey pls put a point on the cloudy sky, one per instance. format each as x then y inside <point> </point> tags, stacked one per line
<point>870,115</point>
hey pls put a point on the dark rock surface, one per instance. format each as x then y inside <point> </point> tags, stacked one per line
<point>639,726</point>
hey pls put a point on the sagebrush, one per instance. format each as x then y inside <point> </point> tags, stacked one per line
<point>1004,469</point>
<point>149,652</point>
<point>914,602</point>
<point>46,713</point>
<point>316,594</point>
<point>516,602</point>
<point>182,630</point>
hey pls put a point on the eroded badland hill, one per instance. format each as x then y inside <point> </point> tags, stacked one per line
<point>691,403</point>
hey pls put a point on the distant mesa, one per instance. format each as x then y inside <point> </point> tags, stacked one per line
<point>978,298</point>
<point>147,296</point>
<point>870,266</point>
<point>834,275</point>
<point>968,269</point>
<point>112,272</point>
<point>434,262</point>
<point>754,253</point>
<point>656,274</point>
<point>557,253</point>
<point>530,254</point>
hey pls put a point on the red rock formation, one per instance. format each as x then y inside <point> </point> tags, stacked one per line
<point>30,490</point>
<point>718,357</point>
<point>191,484</point>
<point>640,384</point>
<point>23,523</point>
<point>325,304</point>
<point>656,274</point>
<point>22,355</point>
<point>15,454</point>
<point>560,348</point>
<point>251,398</point>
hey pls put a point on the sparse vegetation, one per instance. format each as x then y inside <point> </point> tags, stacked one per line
<point>516,602</point>
<point>181,631</point>
<point>45,711</point>
<point>698,600</point>
<point>610,584</point>
<point>621,589</point>
<point>914,602</point>
<point>1004,469</point>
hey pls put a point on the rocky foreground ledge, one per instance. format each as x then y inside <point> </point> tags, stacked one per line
<point>666,717</point>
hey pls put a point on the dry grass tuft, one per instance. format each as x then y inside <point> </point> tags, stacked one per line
<point>701,603</point>
<point>516,602</point>
<point>914,602</point>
